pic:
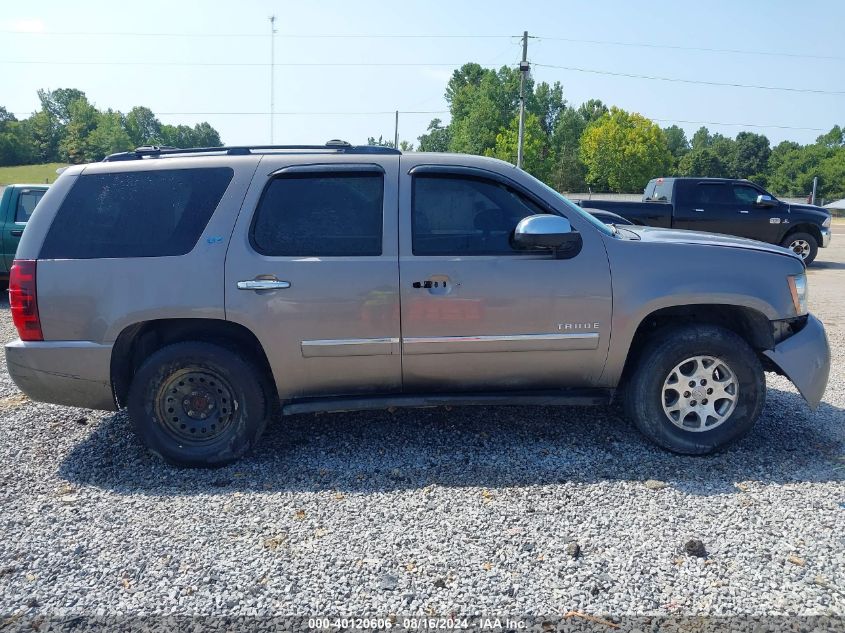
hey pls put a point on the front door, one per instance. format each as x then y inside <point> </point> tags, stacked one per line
<point>478,314</point>
<point>753,221</point>
<point>312,271</point>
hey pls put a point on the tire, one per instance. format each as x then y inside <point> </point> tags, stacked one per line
<point>650,392</point>
<point>198,404</point>
<point>802,244</point>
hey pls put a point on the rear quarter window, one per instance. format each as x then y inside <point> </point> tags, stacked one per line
<point>27,200</point>
<point>135,214</point>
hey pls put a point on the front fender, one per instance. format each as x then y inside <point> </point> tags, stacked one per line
<point>805,359</point>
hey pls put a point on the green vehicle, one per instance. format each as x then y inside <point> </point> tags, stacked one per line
<point>16,205</point>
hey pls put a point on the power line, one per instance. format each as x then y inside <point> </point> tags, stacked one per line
<point>420,65</point>
<point>734,51</point>
<point>260,35</point>
<point>692,81</point>
<point>458,36</point>
<point>219,64</point>
<point>757,125</point>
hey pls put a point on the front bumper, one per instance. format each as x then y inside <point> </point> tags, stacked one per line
<point>74,373</point>
<point>826,235</point>
<point>805,359</point>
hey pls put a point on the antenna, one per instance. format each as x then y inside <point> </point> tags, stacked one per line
<point>273,32</point>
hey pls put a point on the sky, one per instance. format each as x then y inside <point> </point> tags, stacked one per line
<point>192,61</point>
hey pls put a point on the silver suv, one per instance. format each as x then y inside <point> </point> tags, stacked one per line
<point>204,289</point>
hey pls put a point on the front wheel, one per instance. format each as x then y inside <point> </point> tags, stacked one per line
<point>802,244</point>
<point>696,389</point>
<point>197,404</point>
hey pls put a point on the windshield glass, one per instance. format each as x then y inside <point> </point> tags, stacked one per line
<point>571,206</point>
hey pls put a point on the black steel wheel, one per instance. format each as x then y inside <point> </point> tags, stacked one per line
<point>198,404</point>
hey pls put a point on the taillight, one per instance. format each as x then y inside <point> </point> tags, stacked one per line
<point>23,300</point>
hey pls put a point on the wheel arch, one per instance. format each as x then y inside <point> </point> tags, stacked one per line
<point>805,227</point>
<point>751,325</point>
<point>138,341</point>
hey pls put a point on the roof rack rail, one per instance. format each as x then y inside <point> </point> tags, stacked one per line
<point>153,151</point>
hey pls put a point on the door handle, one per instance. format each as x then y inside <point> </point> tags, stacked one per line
<point>263,284</point>
<point>699,210</point>
<point>743,211</point>
<point>16,232</point>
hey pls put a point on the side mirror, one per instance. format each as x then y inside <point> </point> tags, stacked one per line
<point>545,231</point>
<point>765,200</point>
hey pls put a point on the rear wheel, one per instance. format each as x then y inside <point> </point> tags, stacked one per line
<point>696,389</point>
<point>198,404</point>
<point>803,245</point>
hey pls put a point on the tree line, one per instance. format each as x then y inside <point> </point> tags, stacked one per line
<point>606,148</point>
<point>68,128</point>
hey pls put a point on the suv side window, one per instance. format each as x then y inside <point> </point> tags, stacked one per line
<point>743,194</point>
<point>461,215</point>
<point>135,213</point>
<point>27,199</point>
<point>326,214</point>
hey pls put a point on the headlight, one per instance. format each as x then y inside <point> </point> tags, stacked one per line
<point>798,288</point>
<point>826,223</point>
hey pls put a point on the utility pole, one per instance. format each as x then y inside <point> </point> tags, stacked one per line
<point>272,75</point>
<point>396,132</point>
<point>815,186</point>
<point>523,68</point>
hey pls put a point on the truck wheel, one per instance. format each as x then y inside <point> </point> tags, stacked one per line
<point>198,404</point>
<point>802,244</point>
<point>696,389</point>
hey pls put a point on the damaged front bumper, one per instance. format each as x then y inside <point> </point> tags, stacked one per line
<point>804,358</point>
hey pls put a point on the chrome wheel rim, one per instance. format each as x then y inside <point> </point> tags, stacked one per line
<point>800,247</point>
<point>700,393</point>
<point>195,405</point>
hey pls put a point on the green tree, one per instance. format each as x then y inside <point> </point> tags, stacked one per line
<point>82,120</point>
<point>16,145</point>
<point>436,139</point>
<point>568,172</point>
<point>623,151</point>
<point>46,136</point>
<point>592,110</point>
<point>379,142</point>
<point>676,140</point>
<point>834,138</point>
<point>750,156</point>
<point>206,136</point>
<point>534,147</point>
<point>109,136</point>
<point>702,162</point>
<point>547,103</point>
<point>143,127</point>
<point>57,103</point>
<point>701,138</point>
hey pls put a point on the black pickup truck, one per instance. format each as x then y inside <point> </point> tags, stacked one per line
<point>719,205</point>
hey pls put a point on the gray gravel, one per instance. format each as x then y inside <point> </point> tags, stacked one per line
<point>487,510</point>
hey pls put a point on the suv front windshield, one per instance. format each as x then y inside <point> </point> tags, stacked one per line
<point>571,206</point>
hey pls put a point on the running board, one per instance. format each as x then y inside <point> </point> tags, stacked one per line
<point>571,397</point>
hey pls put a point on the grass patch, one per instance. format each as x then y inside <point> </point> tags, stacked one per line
<point>29,174</point>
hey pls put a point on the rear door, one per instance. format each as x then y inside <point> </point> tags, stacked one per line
<point>21,205</point>
<point>312,271</point>
<point>478,314</point>
<point>704,205</point>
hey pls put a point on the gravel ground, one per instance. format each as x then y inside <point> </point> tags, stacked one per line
<point>475,510</point>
